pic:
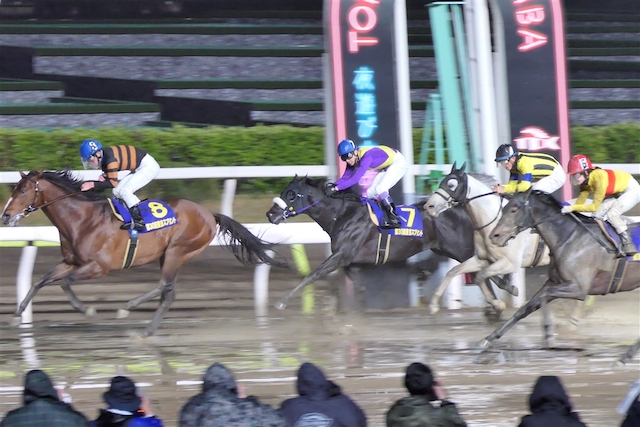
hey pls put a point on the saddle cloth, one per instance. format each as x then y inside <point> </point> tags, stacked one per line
<point>409,215</point>
<point>634,233</point>
<point>155,213</point>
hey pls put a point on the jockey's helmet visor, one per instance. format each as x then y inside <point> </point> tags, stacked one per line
<point>347,156</point>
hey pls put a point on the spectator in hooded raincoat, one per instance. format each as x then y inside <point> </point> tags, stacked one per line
<point>427,406</point>
<point>320,402</point>
<point>223,403</point>
<point>42,406</point>
<point>550,406</point>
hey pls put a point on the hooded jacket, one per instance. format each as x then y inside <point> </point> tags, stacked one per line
<point>321,403</point>
<point>633,415</point>
<point>418,411</point>
<point>41,402</point>
<point>550,406</point>
<point>219,405</point>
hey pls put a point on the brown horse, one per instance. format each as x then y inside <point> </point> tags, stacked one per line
<point>92,243</point>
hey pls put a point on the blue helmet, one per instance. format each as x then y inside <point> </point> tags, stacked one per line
<point>345,147</point>
<point>88,148</point>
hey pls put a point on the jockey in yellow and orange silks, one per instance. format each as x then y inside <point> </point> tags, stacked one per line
<point>614,193</point>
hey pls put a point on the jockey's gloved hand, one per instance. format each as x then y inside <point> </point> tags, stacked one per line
<point>566,209</point>
<point>329,189</point>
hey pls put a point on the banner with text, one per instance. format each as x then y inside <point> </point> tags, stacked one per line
<point>537,77</point>
<point>361,47</point>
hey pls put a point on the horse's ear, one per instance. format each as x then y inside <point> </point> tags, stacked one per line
<point>38,175</point>
<point>22,175</point>
<point>464,166</point>
<point>453,167</point>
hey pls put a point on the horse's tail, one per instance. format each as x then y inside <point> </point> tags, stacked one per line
<point>246,247</point>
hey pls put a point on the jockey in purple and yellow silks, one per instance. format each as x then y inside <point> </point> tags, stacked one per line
<point>614,193</point>
<point>391,166</point>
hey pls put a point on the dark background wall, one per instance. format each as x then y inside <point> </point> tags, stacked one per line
<point>133,9</point>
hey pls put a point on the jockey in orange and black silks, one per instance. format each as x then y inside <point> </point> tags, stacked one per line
<point>391,165</point>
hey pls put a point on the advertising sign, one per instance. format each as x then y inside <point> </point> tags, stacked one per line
<point>361,46</point>
<point>537,77</point>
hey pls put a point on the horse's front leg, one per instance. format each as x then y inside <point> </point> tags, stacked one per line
<point>335,261</point>
<point>56,273</point>
<point>502,266</point>
<point>471,265</point>
<point>568,290</point>
<point>91,270</point>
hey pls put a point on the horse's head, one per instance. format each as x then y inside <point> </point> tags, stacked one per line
<point>300,195</point>
<point>452,191</point>
<point>516,217</point>
<point>23,200</point>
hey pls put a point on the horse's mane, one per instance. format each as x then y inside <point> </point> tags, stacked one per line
<point>554,203</point>
<point>350,194</point>
<point>488,180</point>
<point>548,199</point>
<point>68,181</point>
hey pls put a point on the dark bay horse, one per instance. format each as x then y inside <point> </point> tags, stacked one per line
<point>354,237</point>
<point>92,243</point>
<point>582,262</point>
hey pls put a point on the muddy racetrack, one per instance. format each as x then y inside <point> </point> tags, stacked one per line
<point>212,320</point>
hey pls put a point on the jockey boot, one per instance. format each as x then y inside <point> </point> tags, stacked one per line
<point>627,248</point>
<point>391,219</point>
<point>137,223</point>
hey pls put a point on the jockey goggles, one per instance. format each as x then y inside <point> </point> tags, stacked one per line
<point>347,156</point>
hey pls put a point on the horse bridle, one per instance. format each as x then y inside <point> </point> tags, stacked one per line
<point>451,202</point>
<point>288,209</point>
<point>30,209</point>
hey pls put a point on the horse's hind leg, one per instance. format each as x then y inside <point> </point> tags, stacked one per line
<point>124,312</point>
<point>58,272</point>
<point>168,295</point>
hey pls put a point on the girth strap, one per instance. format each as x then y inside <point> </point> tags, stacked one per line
<point>384,240</point>
<point>616,278</point>
<point>131,250</point>
<point>539,251</point>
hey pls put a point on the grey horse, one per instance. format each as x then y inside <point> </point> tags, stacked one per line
<point>583,262</point>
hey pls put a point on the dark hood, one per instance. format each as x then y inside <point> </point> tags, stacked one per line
<point>549,393</point>
<point>220,378</point>
<point>314,385</point>
<point>38,385</point>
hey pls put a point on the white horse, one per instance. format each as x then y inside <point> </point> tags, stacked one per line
<point>485,209</point>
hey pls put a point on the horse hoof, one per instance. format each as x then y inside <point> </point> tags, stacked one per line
<point>434,309</point>
<point>483,344</point>
<point>16,321</point>
<point>90,311</point>
<point>499,306</point>
<point>122,314</point>
<point>514,291</point>
<point>280,305</point>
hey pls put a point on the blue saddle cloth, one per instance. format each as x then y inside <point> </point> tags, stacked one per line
<point>634,233</point>
<point>409,215</point>
<point>155,213</point>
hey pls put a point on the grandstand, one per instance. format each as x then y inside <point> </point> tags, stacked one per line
<point>242,67</point>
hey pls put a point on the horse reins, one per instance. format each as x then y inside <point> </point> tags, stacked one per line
<point>573,216</point>
<point>465,202</point>
<point>29,209</point>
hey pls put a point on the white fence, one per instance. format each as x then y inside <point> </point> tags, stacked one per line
<point>294,233</point>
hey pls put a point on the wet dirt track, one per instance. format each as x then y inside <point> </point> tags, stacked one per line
<point>212,321</point>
